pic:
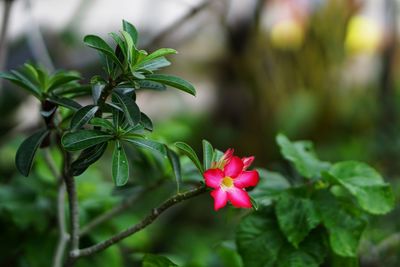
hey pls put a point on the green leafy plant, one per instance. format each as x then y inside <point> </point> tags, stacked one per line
<point>313,220</point>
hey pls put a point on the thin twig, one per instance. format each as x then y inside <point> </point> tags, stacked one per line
<point>126,203</point>
<point>175,25</point>
<point>142,224</point>
<point>64,237</point>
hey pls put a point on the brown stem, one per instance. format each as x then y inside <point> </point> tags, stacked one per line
<point>142,224</point>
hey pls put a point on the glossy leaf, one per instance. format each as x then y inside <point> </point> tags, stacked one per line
<point>208,153</point>
<point>88,157</point>
<point>270,186</point>
<point>153,65</point>
<point>189,152</point>
<point>120,165</point>
<point>27,150</point>
<point>159,53</point>
<point>146,143</point>
<point>145,84</point>
<point>146,121</point>
<point>302,155</point>
<point>176,166</point>
<point>367,185</point>
<point>150,260</point>
<point>128,105</point>
<point>83,139</point>
<point>65,102</point>
<point>173,81</point>
<point>128,27</point>
<point>21,83</point>
<point>99,44</point>
<point>62,78</point>
<point>101,122</point>
<point>83,116</point>
<point>296,217</point>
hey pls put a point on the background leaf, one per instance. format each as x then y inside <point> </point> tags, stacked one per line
<point>120,165</point>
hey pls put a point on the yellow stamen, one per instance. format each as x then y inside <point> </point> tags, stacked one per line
<point>227,182</point>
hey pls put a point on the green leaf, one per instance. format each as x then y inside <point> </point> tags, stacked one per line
<point>366,184</point>
<point>146,121</point>
<point>27,150</point>
<point>83,139</point>
<point>83,116</point>
<point>269,187</point>
<point>173,81</point>
<point>189,152</point>
<point>176,166</point>
<point>101,122</point>
<point>99,44</point>
<point>62,78</point>
<point>145,84</point>
<point>296,217</point>
<point>150,260</point>
<point>259,239</point>
<point>229,256</point>
<point>159,53</point>
<point>344,228</point>
<point>128,105</point>
<point>145,143</point>
<point>153,65</point>
<point>22,83</point>
<point>208,153</point>
<point>120,165</point>
<point>65,102</point>
<point>302,155</point>
<point>88,157</point>
<point>128,27</point>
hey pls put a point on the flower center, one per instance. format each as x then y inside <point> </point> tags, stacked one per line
<point>227,182</point>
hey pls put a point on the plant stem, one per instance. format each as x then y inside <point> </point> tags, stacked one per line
<point>142,224</point>
<point>73,207</point>
<point>126,203</point>
<point>64,237</point>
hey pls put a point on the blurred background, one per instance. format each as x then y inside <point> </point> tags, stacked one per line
<point>324,70</point>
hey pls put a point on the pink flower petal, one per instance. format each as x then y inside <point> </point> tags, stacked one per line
<point>228,155</point>
<point>213,177</point>
<point>247,162</point>
<point>246,179</point>
<point>220,198</point>
<point>239,198</point>
<point>234,167</point>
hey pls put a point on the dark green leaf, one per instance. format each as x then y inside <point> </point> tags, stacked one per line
<point>145,143</point>
<point>259,239</point>
<point>176,165</point>
<point>83,116</point>
<point>87,158</point>
<point>99,44</point>
<point>208,153</point>
<point>128,105</point>
<point>120,165</point>
<point>302,155</point>
<point>146,121</point>
<point>26,151</point>
<point>150,260</point>
<point>101,122</point>
<point>372,193</point>
<point>83,139</point>
<point>344,228</point>
<point>189,152</point>
<point>296,217</point>
<point>128,27</point>
<point>145,84</point>
<point>65,102</point>
<point>173,81</point>
<point>269,187</point>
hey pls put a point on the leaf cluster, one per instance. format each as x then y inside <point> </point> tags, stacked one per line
<point>315,221</point>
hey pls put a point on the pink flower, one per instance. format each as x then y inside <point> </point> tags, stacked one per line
<point>229,178</point>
